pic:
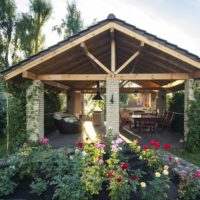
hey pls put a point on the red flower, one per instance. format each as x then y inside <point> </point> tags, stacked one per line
<point>134,177</point>
<point>79,145</point>
<point>124,166</point>
<point>152,142</point>
<point>169,158</point>
<point>119,180</point>
<point>145,147</point>
<point>167,147</point>
<point>110,175</point>
<point>157,145</point>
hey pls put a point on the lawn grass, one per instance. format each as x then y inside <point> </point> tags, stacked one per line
<point>2,146</point>
<point>190,157</point>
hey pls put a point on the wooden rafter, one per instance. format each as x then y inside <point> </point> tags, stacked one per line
<point>94,77</point>
<point>94,59</point>
<point>113,50</point>
<point>140,51</point>
<point>130,59</point>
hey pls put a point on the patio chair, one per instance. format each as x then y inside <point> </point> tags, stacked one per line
<point>148,122</point>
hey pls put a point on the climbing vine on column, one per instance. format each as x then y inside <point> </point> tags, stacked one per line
<point>193,137</point>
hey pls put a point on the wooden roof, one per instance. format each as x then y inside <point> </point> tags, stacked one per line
<point>92,54</point>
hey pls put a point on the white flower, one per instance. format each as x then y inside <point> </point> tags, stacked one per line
<point>157,174</point>
<point>12,167</point>
<point>143,184</point>
<point>71,157</point>
<point>110,128</point>
<point>140,157</point>
<point>165,172</point>
<point>84,154</point>
<point>138,148</point>
<point>77,151</point>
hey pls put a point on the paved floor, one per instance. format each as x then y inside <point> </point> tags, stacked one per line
<point>60,140</point>
<point>163,136</point>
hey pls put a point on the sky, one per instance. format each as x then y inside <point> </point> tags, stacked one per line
<point>177,21</point>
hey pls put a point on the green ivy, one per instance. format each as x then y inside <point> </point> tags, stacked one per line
<point>193,138</point>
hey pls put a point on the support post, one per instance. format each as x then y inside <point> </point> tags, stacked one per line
<point>189,95</point>
<point>161,101</point>
<point>112,105</point>
<point>35,110</point>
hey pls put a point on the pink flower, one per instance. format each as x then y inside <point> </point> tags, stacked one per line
<point>100,145</point>
<point>119,141</point>
<point>115,148</point>
<point>197,174</point>
<point>44,140</point>
<point>101,161</point>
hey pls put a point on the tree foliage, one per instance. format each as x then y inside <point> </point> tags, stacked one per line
<point>72,23</point>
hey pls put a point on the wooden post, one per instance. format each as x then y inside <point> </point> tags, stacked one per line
<point>113,51</point>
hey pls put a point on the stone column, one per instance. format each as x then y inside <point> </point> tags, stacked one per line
<point>189,95</point>
<point>35,110</point>
<point>161,101</point>
<point>112,107</point>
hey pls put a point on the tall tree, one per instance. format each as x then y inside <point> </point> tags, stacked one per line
<point>7,24</point>
<point>29,27</point>
<point>72,23</point>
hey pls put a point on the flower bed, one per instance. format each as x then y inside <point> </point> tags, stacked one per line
<point>108,169</point>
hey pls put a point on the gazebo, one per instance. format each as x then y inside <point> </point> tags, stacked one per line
<point>112,51</point>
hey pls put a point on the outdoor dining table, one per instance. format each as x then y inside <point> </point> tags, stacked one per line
<point>138,119</point>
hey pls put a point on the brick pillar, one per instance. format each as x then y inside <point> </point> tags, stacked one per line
<point>161,101</point>
<point>35,110</point>
<point>112,109</point>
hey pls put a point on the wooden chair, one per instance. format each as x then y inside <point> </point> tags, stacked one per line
<point>148,122</point>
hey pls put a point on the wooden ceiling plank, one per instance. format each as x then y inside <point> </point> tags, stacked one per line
<point>94,59</point>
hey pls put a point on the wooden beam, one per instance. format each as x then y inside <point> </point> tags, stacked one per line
<point>126,77</point>
<point>127,62</point>
<point>155,44</point>
<point>113,50</point>
<point>29,75</point>
<point>160,76</point>
<point>122,90</point>
<point>57,85</point>
<point>33,76</point>
<point>94,59</point>
<point>196,74</point>
<point>73,77</point>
